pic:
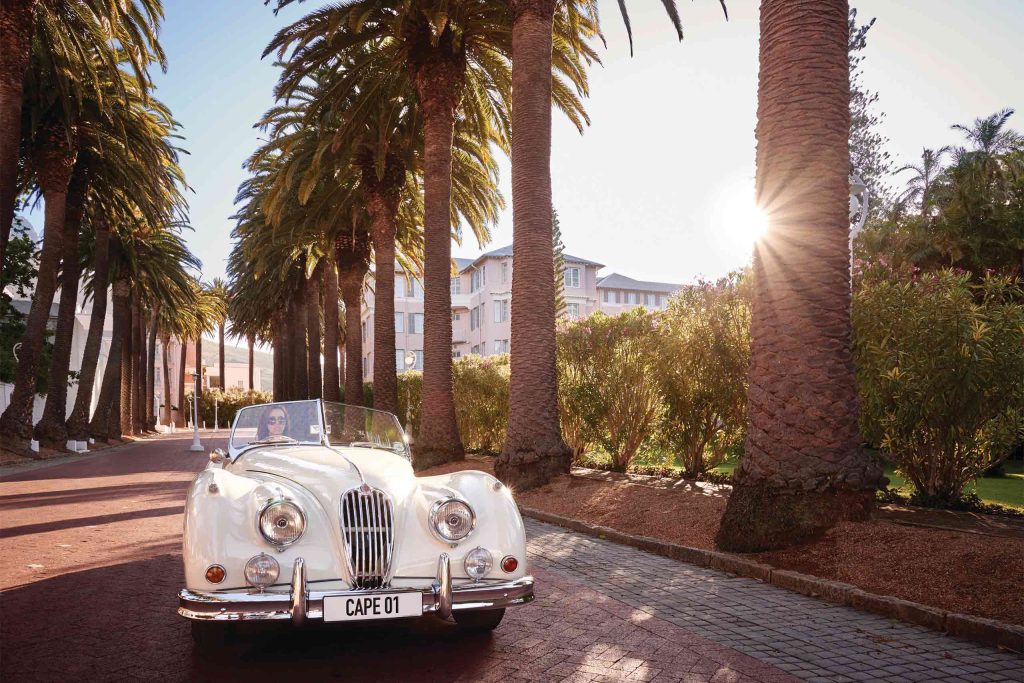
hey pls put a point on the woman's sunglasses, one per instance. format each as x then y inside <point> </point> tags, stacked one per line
<point>277,420</point>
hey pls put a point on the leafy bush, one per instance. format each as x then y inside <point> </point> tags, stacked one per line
<point>939,368</point>
<point>227,404</point>
<point>481,400</point>
<point>606,374</point>
<point>703,354</point>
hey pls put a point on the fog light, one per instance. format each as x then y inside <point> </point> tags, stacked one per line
<point>215,573</point>
<point>262,571</point>
<point>509,564</point>
<point>478,563</point>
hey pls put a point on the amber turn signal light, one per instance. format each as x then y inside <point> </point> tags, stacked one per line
<point>215,573</point>
<point>509,564</point>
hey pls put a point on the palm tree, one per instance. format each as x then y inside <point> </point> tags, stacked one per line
<point>219,289</point>
<point>803,469</point>
<point>919,186</point>
<point>75,39</point>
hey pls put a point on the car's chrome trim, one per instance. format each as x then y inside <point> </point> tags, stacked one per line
<point>443,587</point>
<point>239,605</point>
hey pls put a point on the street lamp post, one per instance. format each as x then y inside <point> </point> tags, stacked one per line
<point>197,446</point>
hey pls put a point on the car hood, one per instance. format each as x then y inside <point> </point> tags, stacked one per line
<point>328,472</point>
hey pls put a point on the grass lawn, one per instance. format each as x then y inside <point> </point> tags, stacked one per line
<point>1008,490</point>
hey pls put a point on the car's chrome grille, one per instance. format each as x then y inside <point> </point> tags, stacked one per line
<point>368,527</point>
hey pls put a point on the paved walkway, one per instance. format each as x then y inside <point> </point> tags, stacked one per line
<point>90,565</point>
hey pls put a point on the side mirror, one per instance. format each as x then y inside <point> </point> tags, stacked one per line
<point>217,456</point>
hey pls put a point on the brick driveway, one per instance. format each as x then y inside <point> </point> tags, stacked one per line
<point>91,565</point>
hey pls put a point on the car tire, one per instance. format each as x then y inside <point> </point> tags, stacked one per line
<point>479,620</point>
<point>210,636</point>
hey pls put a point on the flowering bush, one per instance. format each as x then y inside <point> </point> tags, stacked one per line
<point>939,368</point>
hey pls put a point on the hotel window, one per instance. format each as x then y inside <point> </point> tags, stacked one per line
<point>475,350</point>
<point>456,285</point>
<point>417,289</point>
<point>631,298</point>
<point>400,360</point>
<point>651,300</point>
<point>456,354</point>
<point>573,310</point>
<point>419,360</point>
<point>501,310</point>
<point>457,316</point>
<point>364,330</point>
<point>399,323</point>
<point>501,346</point>
<point>474,318</point>
<point>399,286</point>
<point>504,272</point>
<point>616,298</point>
<point>477,279</point>
<point>572,277</point>
<point>415,323</point>
<point>366,366</point>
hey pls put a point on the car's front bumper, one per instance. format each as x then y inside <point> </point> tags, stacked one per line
<point>300,603</point>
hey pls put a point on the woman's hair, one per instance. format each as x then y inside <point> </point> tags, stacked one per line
<point>263,431</point>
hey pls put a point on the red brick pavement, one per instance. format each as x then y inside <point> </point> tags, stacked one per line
<point>90,566</point>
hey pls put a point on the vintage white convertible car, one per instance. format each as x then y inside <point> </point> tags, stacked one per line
<point>314,513</point>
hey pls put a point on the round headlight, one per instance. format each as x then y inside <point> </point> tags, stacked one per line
<point>452,519</point>
<point>262,571</point>
<point>282,523</point>
<point>478,563</point>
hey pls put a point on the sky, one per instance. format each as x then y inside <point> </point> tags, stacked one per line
<point>660,186</point>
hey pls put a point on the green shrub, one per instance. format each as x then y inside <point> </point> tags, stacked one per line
<point>939,368</point>
<point>703,354</point>
<point>606,378</point>
<point>227,404</point>
<point>410,389</point>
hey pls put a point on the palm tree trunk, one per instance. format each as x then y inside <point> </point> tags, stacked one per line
<point>803,469</point>
<point>299,347</point>
<point>138,365</point>
<point>279,345</point>
<point>220,356</point>
<point>51,432</point>
<point>437,84</point>
<point>128,376</point>
<point>534,450</point>
<point>179,421</point>
<point>316,384</point>
<point>252,360</point>
<point>151,369</point>
<point>78,423</point>
<point>385,378</point>
<point>332,378</point>
<point>17,20</point>
<point>106,420</point>
<point>54,164</point>
<point>351,279</point>
<point>165,340</point>
<point>199,369</point>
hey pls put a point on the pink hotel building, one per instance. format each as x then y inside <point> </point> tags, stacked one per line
<point>482,304</point>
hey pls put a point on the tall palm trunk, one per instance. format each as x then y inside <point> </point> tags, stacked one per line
<point>316,384</point>
<point>151,369</point>
<point>332,379</point>
<point>165,414</point>
<point>279,345</point>
<point>54,163</point>
<point>17,19</point>
<point>51,431</point>
<point>141,359</point>
<point>78,423</point>
<point>106,420</point>
<point>220,356</point>
<point>299,348</point>
<point>383,211</point>
<point>252,360</point>
<point>534,450</point>
<point>129,362</point>
<point>199,369</point>
<point>438,83</point>
<point>803,469</point>
<point>351,279</point>
<point>180,420</point>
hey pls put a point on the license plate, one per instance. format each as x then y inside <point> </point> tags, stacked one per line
<point>374,606</point>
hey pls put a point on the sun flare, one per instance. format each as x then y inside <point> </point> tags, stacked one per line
<point>743,222</point>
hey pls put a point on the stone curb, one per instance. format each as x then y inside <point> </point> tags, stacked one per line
<point>978,629</point>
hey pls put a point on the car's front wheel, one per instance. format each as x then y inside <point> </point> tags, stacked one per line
<point>210,636</point>
<point>479,619</point>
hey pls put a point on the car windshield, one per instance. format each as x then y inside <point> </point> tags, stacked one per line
<point>364,428</point>
<point>316,422</point>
